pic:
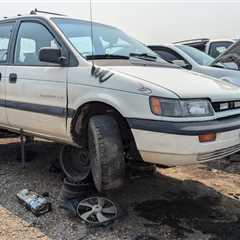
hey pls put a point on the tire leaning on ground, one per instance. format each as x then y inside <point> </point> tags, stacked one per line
<point>106,153</point>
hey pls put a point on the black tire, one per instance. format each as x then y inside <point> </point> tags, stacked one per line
<point>106,153</point>
<point>76,190</point>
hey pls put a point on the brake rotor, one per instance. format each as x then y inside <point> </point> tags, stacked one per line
<point>97,210</point>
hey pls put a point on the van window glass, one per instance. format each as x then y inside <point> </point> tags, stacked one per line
<point>31,38</point>
<point>83,44</point>
<point>5,33</point>
<point>107,40</point>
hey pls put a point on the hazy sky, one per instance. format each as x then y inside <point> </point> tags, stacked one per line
<point>149,21</point>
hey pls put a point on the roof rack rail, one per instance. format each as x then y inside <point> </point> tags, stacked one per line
<point>35,11</point>
<point>193,40</point>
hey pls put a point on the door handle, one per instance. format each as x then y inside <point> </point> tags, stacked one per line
<point>0,77</point>
<point>12,77</point>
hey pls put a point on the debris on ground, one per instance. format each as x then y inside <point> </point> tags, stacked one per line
<point>37,204</point>
<point>230,164</point>
<point>235,195</point>
<point>78,189</point>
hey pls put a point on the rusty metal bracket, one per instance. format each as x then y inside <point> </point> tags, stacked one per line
<point>22,149</point>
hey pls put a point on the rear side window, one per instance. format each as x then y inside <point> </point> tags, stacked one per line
<point>5,34</point>
<point>31,38</point>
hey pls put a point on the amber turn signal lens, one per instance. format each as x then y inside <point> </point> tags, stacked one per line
<point>155,105</point>
<point>209,137</point>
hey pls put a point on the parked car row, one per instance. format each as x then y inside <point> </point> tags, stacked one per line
<point>93,87</point>
<point>193,59</point>
<point>211,47</point>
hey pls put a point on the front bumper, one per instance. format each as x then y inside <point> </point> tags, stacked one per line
<point>176,143</point>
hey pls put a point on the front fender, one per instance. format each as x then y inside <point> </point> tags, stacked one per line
<point>127,104</point>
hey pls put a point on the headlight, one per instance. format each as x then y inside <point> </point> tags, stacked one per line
<point>180,108</point>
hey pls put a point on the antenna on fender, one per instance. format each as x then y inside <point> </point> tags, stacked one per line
<point>91,20</point>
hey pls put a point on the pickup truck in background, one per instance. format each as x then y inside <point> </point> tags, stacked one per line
<point>212,47</point>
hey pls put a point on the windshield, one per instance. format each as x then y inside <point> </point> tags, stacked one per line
<point>107,41</point>
<point>230,58</point>
<point>198,56</point>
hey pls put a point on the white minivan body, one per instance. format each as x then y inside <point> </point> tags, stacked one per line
<point>59,83</point>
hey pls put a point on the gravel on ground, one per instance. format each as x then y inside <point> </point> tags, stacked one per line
<point>193,202</point>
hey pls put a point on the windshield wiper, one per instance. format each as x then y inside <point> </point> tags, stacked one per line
<point>105,56</point>
<point>143,56</point>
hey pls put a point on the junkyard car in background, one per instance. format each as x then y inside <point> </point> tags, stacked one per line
<point>230,59</point>
<point>193,59</point>
<point>111,96</point>
<point>211,47</point>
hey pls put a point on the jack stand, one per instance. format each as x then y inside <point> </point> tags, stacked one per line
<point>22,149</point>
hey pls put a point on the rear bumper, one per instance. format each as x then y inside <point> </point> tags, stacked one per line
<point>180,145</point>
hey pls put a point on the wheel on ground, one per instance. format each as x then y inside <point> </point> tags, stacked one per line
<point>74,163</point>
<point>97,210</point>
<point>106,153</point>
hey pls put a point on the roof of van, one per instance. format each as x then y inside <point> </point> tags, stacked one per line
<point>48,16</point>
<point>42,15</point>
<point>38,13</point>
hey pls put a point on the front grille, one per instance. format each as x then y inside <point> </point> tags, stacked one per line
<point>225,106</point>
<point>219,153</point>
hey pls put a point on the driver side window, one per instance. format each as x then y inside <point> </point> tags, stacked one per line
<point>31,38</point>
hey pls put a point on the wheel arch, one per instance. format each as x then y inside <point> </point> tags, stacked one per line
<point>79,124</point>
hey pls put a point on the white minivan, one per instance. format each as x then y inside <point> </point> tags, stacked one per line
<point>94,87</point>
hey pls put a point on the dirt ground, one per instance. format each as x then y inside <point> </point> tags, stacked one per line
<point>195,202</point>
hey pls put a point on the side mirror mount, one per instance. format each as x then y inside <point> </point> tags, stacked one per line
<point>52,55</point>
<point>182,63</point>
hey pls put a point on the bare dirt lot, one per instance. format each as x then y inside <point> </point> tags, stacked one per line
<point>194,202</point>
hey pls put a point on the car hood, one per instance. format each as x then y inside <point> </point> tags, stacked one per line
<point>183,83</point>
<point>232,54</point>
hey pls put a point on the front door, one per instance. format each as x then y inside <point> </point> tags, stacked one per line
<point>36,91</point>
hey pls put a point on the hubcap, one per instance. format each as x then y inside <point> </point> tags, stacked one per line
<point>97,210</point>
